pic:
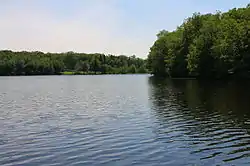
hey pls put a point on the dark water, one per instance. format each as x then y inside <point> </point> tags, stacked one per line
<point>123,121</point>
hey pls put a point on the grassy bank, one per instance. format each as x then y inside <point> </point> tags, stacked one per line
<point>79,73</point>
<point>92,73</point>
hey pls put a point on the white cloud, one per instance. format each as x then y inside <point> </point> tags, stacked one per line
<point>97,28</point>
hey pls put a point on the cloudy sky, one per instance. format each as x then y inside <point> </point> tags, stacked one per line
<point>106,26</point>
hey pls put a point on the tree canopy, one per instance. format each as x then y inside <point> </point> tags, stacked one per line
<point>39,63</point>
<point>204,46</point>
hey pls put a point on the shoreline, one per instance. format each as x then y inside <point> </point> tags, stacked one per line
<point>73,74</point>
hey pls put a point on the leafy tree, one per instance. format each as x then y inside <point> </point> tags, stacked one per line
<point>210,45</point>
<point>39,63</point>
<point>132,69</point>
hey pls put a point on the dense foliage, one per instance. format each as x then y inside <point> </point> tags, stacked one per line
<point>38,63</point>
<point>207,46</point>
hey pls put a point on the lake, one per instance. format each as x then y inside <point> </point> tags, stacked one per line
<point>123,120</point>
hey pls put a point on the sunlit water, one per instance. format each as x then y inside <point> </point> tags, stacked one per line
<point>123,120</point>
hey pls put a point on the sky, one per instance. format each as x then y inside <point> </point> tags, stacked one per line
<point>120,27</point>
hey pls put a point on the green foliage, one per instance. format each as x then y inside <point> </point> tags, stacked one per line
<point>210,45</point>
<point>132,69</point>
<point>82,66</point>
<point>38,63</point>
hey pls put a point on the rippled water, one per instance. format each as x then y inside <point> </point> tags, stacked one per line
<point>123,120</point>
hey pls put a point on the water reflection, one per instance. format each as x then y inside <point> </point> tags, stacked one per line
<point>207,120</point>
<point>123,120</point>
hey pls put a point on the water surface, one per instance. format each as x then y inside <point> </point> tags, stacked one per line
<point>123,120</point>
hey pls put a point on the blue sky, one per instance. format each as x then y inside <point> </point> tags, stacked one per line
<point>107,26</point>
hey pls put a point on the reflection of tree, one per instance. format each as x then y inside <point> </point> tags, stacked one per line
<point>202,98</point>
<point>171,98</point>
<point>209,116</point>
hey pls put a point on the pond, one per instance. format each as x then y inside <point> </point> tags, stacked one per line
<point>123,120</point>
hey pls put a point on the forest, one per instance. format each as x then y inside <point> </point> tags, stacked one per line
<point>204,46</point>
<point>39,63</point>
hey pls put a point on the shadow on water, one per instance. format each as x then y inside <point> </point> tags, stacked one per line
<point>209,120</point>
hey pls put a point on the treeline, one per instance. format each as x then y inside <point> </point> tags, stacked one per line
<point>205,46</point>
<point>39,63</point>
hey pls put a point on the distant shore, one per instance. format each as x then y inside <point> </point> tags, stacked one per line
<point>71,73</point>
